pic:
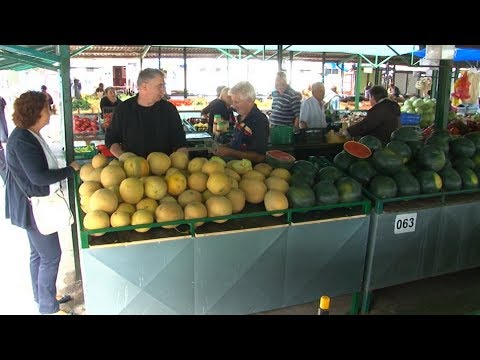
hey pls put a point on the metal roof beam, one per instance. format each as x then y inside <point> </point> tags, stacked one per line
<point>256,52</point>
<point>29,61</point>
<point>367,60</point>
<point>226,53</point>
<point>145,51</point>
<point>81,50</point>
<point>248,52</point>
<point>26,51</point>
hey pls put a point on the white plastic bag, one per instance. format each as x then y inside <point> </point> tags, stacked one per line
<point>52,213</point>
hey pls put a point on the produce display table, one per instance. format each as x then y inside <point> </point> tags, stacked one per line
<point>253,262</point>
<point>421,236</point>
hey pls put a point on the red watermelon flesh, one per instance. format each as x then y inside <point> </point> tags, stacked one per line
<point>357,149</point>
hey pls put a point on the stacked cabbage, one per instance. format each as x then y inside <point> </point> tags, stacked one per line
<point>423,107</point>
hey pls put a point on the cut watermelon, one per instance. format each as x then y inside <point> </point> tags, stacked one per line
<point>357,149</point>
<point>279,159</point>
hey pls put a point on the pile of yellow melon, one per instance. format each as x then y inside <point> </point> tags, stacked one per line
<point>136,191</point>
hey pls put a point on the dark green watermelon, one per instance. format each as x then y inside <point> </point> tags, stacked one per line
<point>431,157</point>
<point>300,196</point>
<point>462,146</point>
<point>326,193</point>
<point>383,187</point>
<point>349,190</point>
<point>407,184</point>
<point>401,149</point>
<point>430,181</point>
<point>371,141</point>
<point>362,170</point>
<point>451,180</point>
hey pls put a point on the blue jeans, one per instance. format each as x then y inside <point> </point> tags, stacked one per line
<point>45,253</point>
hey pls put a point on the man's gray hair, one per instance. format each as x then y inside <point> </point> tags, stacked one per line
<point>148,74</point>
<point>244,89</point>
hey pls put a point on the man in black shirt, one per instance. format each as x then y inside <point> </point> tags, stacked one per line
<point>145,123</point>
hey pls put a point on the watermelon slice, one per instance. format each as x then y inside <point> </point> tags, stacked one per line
<point>279,159</point>
<point>357,149</point>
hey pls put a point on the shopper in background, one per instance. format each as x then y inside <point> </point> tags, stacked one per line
<point>145,123</point>
<point>33,169</point>
<point>109,101</point>
<point>333,103</point>
<point>76,89</point>
<point>50,99</point>
<point>207,110</point>
<point>367,88</point>
<point>221,106</point>
<point>100,90</point>
<point>312,111</point>
<point>286,103</point>
<point>250,138</point>
<point>3,139</point>
<point>382,118</point>
<point>393,91</point>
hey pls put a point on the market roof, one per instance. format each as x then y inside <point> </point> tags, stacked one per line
<point>23,57</point>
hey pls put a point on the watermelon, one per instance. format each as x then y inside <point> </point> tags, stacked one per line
<point>407,184</point>
<point>462,147</point>
<point>431,157</point>
<point>357,149</point>
<point>343,160</point>
<point>326,193</point>
<point>430,181</point>
<point>362,171</point>
<point>383,187</point>
<point>331,173</point>
<point>349,190</point>
<point>469,178</point>
<point>401,149</point>
<point>371,141</point>
<point>279,159</point>
<point>451,179</point>
<point>300,196</point>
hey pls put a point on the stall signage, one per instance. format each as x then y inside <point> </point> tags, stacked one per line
<point>405,223</point>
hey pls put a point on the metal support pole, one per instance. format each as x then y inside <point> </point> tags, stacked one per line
<point>357,83</point>
<point>185,91</point>
<point>434,83</point>
<point>291,66</point>
<point>323,67</point>
<point>66,99</point>
<point>159,57</point>
<point>279,57</point>
<point>443,98</point>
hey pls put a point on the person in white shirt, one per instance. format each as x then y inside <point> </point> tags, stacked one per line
<point>312,110</point>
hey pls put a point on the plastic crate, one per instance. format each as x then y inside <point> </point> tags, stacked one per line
<point>409,119</point>
<point>84,154</point>
<point>280,135</point>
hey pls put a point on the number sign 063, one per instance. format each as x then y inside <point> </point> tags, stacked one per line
<point>405,223</point>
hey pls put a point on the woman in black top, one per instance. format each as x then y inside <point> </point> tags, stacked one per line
<point>222,107</point>
<point>109,101</point>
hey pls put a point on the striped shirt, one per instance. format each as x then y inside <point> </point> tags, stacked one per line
<point>285,107</point>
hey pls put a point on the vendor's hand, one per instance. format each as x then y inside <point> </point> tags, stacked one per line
<point>75,165</point>
<point>221,151</point>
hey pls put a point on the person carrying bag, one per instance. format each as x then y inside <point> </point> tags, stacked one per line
<point>33,177</point>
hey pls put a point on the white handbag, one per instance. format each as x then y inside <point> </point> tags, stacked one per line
<point>52,213</point>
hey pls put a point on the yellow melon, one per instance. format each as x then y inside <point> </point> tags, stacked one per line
<point>99,161</point>
<point>276,183</point>
<point>115,162</point>
<point>159,162</point>
<point>233,183</point>
<point>275,200</point>
<point>103,199</point>
<point>155,187</point>
<point>282,174</point>
<point>96,219</point>
<point>168,198</point>
<point>237,197</point>
<point>189,196</point>
<point>197,181</point>
<point>218,205</point>
<point>264,168</point>
<point>94,175</point>
<point>85,170</point>
<point>206,195</point>
<point>233,174</point>
<point>84,201</point>
<point>169,211</point>
<point>125,207</point>
<point>141,217</point>
<point>171,170</point>
<point>125,156</point>
<point>219,183</point>
<point>136,166</point>
<point>147,204</point>
<point>116,190</point>
<point>176,183</point>
<point>112,175</point>
<point>253,174</point>
<point>120,218</point>
<point>131,190</point>
<point>195,210</point>
<point>212,166</point>
<point>88,188</point>
<point>179,159</point>
<point>254,190</point>
<point>196,164</point>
